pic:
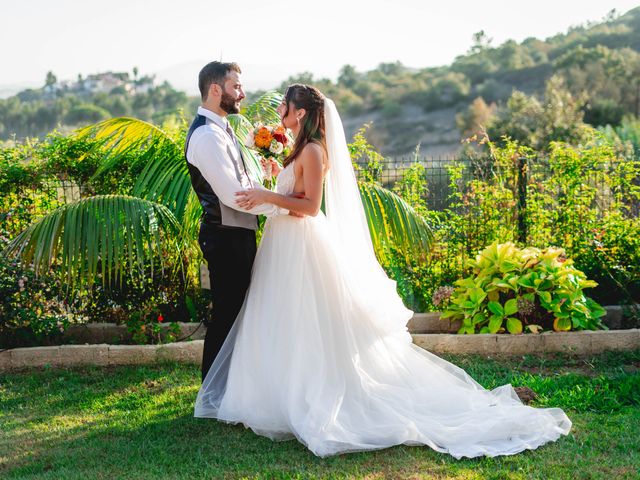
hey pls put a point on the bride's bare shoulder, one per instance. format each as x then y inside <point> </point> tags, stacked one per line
<point>312,153</point>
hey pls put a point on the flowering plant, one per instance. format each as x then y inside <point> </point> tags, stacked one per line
<point>272,142</point>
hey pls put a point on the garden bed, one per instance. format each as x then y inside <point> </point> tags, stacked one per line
<point>430,322</point>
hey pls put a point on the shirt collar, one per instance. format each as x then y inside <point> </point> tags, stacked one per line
<point>214,117</point>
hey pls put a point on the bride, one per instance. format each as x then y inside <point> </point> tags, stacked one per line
<point>320,350</point>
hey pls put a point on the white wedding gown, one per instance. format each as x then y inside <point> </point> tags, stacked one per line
<point>321,354</point>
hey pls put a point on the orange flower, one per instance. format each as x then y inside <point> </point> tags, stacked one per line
<point>263,138</point>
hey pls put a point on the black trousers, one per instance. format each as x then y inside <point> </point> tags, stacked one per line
<point>229,253</point>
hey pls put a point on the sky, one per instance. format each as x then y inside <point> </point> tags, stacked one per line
<point>271,40</point>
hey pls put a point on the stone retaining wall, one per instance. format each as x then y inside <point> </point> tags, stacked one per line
<point>574,343</point>
<point>117,334</point>
<point>102,354</point>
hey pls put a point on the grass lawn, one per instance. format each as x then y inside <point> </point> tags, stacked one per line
<point>136,422</point>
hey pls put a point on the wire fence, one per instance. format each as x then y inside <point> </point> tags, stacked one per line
<point>448,183</point>
<point>452,184</point>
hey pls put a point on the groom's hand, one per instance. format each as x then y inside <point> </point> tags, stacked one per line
<point>296,195</point>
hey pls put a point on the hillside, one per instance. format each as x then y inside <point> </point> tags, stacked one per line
<point>598,64</point>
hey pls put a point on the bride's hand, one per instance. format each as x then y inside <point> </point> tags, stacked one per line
<point>270,167</point>
<point>248,199</point>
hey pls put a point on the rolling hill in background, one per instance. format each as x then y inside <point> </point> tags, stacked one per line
<point>598,63</point>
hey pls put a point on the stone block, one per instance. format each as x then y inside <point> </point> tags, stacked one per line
<point>187,328</point>
<point>132,354</point>
<point>576,343</point>
<point>35,357</point>
<point>95,333</point>
<point>519,344</point>
<point>613,317</point>
<point>429,322</point>
<point>113,334</point>
<point>78,334</point>
<point>426,341</point>
<point>71,355</point>
<point>455,325</point>
<point>458,344</point>
<point>183,352</point>
<point>5,361</point>
<point>602,341</point>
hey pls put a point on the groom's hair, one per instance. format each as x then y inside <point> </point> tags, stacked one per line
<point>214,72</point>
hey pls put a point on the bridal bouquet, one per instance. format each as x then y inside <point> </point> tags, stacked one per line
<point>271,142</point>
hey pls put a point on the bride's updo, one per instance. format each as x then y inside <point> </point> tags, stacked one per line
<point>312,127</point>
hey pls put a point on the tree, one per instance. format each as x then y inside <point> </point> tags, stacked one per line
<point>348,76</point>
<point>558,117</point>
<point>85,113</point>
<point>477,119</point>
<point>481,42</point>
<point>51,79</point>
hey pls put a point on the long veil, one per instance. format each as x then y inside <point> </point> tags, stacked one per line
<point>345,212</point>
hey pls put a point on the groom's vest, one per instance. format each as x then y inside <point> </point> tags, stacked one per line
<point>214,211</point>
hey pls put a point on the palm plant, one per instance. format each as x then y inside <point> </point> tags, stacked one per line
<point>114,235</point>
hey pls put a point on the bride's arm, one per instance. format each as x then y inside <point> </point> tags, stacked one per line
<point>310,159</point>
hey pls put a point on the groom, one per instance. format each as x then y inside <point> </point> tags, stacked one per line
<point>218,170</point>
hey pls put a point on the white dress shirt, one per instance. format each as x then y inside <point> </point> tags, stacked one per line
<point>209,151</point>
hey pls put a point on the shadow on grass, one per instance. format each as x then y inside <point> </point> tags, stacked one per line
<point>136,422</point>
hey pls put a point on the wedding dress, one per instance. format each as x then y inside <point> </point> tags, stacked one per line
<point>320,350</point>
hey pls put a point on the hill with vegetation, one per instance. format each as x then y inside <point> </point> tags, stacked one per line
<point>535,91</point>
<point>67,104</point>
<point>591,74</point>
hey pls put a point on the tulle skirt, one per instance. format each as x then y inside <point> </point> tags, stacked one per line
<point>317,355</point>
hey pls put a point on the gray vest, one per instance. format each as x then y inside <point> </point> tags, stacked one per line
<point>214,211</point>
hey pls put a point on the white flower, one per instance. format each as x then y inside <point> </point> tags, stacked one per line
<point>250,141</point>
<point>276,147</point>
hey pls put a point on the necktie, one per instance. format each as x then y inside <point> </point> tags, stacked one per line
<point>235,142</point>
<point>232,134</point>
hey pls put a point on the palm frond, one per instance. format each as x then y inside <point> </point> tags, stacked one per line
<point>191,219</point>
<point>104,236</point>
<point>120,137</point>
<point>264,108</point>
<point>164,178</point>
<point>392,221</point>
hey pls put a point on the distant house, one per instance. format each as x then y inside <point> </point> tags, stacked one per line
<point>105,82</point>
<point>101,83</point>
<point>145,84</point>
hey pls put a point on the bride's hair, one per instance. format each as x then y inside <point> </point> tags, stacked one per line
<point>312,128</point>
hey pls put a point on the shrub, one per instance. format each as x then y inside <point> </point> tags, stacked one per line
<point>31,310</point>
<point>520,289</point>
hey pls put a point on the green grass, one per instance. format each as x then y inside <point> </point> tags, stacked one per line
<point>136,422</point>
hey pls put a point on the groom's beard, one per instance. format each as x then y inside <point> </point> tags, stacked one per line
<point>228,104</point>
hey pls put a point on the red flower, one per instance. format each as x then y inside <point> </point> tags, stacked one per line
<point>280,137</point>
<point>160,318</point>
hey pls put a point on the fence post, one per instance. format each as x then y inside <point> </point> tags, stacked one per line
<point>521,206</point>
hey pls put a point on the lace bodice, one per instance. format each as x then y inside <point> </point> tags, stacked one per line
<point>286,180</point>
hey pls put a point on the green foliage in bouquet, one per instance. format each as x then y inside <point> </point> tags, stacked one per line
<point>523,289</point>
